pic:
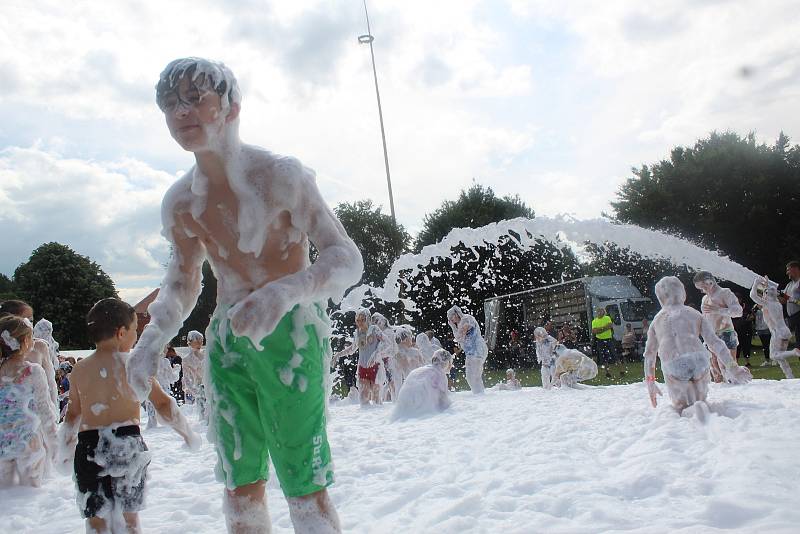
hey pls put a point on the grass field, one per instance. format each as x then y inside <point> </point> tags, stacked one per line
<point>621,373</point>
<point>627,373</point>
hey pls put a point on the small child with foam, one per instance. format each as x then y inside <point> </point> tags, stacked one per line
<point>425,389</point>
<point>100,436</point>
<point>193,370</point>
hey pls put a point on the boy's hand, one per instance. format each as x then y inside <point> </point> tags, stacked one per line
<point>738,375</point>
<point>193,441</point>
<point>259,313</point>
<point>653,391</point>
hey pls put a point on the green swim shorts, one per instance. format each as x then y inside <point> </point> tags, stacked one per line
<point>271,402</point>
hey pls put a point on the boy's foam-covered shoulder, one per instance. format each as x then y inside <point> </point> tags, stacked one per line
<point>286,167</point>
<point>179,191</point>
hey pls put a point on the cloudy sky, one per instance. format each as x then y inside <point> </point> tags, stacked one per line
<point>554,101</point>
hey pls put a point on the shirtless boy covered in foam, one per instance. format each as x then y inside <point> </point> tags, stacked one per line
<point>720,306</point>
<point>251,213</point>
<point>100,436</point>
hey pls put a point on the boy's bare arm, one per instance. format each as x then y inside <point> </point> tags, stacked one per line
<point>179,292</point>
<point>167,408</point>
<point>68,432</point>
<point>338,266</point>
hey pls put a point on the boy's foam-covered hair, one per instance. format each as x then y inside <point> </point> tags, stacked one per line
<point>703,276</point>
<point>441,358</point>
<point>539,331</point>
<point>452,312</point>
<point>107,316</point>
<point>403,332</point>
<point>365,313</point>
<point>380,320</point>
<point>194,335</point>
<point>205,74</point>
<point>670,290</point>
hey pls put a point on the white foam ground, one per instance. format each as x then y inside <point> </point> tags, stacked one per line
<point>522,461</point>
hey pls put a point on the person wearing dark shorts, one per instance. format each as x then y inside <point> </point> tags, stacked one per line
<point>110,471</point>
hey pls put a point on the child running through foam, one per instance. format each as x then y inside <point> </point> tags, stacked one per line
<point>27,416</point>
<point>572,366</point>
<point>425,389</point>
<point>365,341</point>
<point>100,436</point>
<point>193,370</point>
<point>467,333</point>
<point>545,355</point>
<point>251,214</point>
<point>765,293</point>
<point>674,336</point>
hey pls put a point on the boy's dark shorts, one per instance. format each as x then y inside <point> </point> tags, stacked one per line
<point>110,470</point>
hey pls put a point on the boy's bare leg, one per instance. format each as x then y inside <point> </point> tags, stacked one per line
<point>245,509</point>
<point>365,392</point>
<point>132,522</point>
<point>314,514</point>
<point>96,525</point>
<point>716,373</point>
<point>7,470</point>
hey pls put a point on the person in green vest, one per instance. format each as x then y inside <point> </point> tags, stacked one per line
<point>603,333</point>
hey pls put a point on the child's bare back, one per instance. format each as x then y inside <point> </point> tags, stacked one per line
<point>100,387</point>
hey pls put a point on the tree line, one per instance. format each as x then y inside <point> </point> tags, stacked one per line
<point>726,192</point>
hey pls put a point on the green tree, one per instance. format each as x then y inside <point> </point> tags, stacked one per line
<point>380,240</point>
<point>475,207</point>
<point>62,286</point>
<point>203,310</point>
<point>6,288</point>
<point>726,192</point>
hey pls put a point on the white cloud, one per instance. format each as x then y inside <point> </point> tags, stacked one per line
<point>553,101</point>
<point>107,210</point>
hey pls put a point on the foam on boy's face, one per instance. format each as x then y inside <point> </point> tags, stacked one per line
<point>194,116</point>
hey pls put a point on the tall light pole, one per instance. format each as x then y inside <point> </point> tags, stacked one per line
<point>367,39</point>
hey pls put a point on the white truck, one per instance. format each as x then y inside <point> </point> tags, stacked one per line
<point>574,302</point>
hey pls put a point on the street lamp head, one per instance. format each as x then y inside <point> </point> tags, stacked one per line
<point>365,39</point>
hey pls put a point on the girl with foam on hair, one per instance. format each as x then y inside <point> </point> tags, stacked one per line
<point>27,417</point>
<point>467,333</point>
<point>674,337</point>
<point>425,389</point>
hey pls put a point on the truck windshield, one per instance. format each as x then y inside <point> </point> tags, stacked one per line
<point>633,311</point>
